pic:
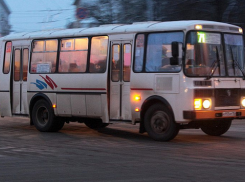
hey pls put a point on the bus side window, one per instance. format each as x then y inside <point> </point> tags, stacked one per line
<point>159,52</point>
<point>7,56</point>
<point>73,55</point>
<point>116,62</point>
<point>25,63</point>
<point>126,62</point>
<point>17,58</point>
<point>98,56</point>
<point>44,52</point>
<point>139,53</point>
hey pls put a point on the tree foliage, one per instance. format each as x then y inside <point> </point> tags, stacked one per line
<point>129,11</point>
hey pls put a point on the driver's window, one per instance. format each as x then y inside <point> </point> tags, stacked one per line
<point>159,52</point>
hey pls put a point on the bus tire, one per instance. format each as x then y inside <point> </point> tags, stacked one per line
<point>58,125</point>
<point>216,127</point>
<point>95,124</point>
<point>159,123</point>
<point>43,116</point>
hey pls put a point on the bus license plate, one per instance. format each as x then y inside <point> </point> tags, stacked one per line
<point>229,113</point>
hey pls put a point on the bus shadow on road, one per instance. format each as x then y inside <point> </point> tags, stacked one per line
<point>184,136</point>
<point>124,134</point>
<point>199,136</point>
<point>181,137</point>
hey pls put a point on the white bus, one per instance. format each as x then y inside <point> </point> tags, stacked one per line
<point>166,76</point>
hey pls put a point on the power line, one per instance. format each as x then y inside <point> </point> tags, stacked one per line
<point>53,16</point>
<point>56,4</point>
<point>44,4</point>
<point>34,11</point>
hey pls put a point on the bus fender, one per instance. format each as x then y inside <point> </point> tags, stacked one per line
<point>149,102</point>
<point>34,99</point>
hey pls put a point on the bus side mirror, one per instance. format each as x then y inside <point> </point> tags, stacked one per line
<point>175,53</point>
<point>175,49</point>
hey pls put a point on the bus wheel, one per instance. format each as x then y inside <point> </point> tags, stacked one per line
<point>160,124</point>
<point>95,124</point>
<point>43,116</point>
<point>216,127</point>
<point>58,125</point>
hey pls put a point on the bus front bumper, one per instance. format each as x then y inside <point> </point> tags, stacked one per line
<point>218,114</point>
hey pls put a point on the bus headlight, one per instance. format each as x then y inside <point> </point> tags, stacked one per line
<point>243,102</point>
<point>206,104</point>
<point>200,104</point>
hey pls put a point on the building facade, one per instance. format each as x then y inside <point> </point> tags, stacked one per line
<point>4,19</point>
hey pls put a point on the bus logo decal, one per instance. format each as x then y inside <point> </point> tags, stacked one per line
<point>49,82</point>
<point>40,84</point>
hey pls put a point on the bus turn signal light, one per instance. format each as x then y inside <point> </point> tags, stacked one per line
<point>198,104</point>
<point>137,98</point>
<point>137,109</point>
<point>54,105</point>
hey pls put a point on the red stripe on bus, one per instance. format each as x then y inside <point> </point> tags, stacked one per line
<point>141,89</point>
<point>83,89</point>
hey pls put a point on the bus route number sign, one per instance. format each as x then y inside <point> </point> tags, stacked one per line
<point>209,38</point>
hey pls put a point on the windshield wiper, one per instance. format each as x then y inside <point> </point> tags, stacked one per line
<point>235,63</point>
<point>214,65</point>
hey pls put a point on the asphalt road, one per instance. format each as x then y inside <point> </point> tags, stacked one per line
<point>118,153</point>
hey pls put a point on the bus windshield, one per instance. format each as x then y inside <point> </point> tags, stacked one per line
<point>234,54</point>
<point>205,55</point>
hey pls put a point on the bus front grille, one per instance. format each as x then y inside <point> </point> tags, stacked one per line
<point>227,97</point>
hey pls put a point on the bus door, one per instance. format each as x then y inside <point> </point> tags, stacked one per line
<point>121,52</point>
<point>19,76</point>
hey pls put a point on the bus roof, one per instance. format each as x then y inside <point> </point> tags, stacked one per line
<point>126,28</point>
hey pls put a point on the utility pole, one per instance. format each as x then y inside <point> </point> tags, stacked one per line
<point>149,4</point>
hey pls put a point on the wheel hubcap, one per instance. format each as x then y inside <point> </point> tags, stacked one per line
<point>42,115</point>
<point>159,122</point>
